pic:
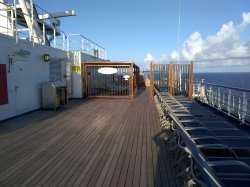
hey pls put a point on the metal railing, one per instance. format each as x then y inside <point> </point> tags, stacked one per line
<point>5,11</point>
<point>49,32</point>
<point>78,42</point>
<point>232,101</point>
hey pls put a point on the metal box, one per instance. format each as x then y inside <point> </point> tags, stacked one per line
<point>54,95</point>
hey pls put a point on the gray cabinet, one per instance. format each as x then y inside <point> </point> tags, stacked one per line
<point>54,95</point>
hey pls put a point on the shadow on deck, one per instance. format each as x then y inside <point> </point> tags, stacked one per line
<point>94,142</point>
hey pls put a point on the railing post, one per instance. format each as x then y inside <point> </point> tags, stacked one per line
<point>244,107</point>
<point>54,37</point>
<point>93,49</point>
<point>12,23</point>
<point>223,100</point>
<point>229,102</point>
<point>191,77</point>
<point>82,44</point>
<point>151,80</point>
<point>16,32</point>
<point>218,99</point>
<point>100,53</point>
<point>210,96</point>
<point>32,22</point>
<point>202,91</point>
<point>63,36</point>
<point>233,103</point>
<point>239,108</point>
<point>44,42</point>
<point>67,42</point>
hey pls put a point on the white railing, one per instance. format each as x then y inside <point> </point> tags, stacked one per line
<point>77,42</point>
<point>6,26</point>
<point>232,101</point>
<point>49,32</point>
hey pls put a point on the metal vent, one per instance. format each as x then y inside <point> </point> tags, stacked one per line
<point>56,70</point>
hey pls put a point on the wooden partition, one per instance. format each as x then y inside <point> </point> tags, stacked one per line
<point>177,79</point>
<point>122,83</point>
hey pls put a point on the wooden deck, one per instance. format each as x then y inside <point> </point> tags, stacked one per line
<point>95,142</point>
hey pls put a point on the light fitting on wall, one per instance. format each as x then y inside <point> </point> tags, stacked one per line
<point>126,77</point>
<point>46,57</point>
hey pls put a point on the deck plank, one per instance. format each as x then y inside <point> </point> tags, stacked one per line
<point>94,142</point>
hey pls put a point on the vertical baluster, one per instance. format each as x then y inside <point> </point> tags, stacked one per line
<point>239,108</point>
<point>234,105</point>
<point>12,22</point>
<point>223,100</point>
<point>82,44</point>
<point>210,96</point>
<point>229,102</point>
<point>218,99</point>
<point>244,107</point>
<point>63,37</point>
<point>67,42</point>
<point>16,32</point>
<point>215,98</point>
<point>54,37</point>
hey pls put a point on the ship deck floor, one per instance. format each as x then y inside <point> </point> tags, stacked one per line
<point>90,142</point>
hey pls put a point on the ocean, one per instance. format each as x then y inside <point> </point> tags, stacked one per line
<point>239,80</point>
<point>233,79</point>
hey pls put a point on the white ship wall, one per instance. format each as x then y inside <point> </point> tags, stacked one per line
<point>27,72</point>
<point>76,73</point>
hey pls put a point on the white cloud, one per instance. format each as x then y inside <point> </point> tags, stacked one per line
<point>149,58</point>
<point>192,46</point>
<point>208,52</point>
<point>246,19</point>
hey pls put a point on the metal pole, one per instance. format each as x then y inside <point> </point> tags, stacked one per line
<point>229,102</point>
<point>239,108</point>
<point>233,103</point>
<point>12,22</point>
<point>212,96</point>
<point>223,100</point>
<point>54,37</point>
<point>67,42</point>
<point>82,46</point>
<point>244,107</point>
<point>16,33</point>
<point>44,42</point>
<point>64,41</point>
<point>218,99</point>
<point>32,20</point>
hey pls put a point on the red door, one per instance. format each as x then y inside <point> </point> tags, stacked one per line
<point>3,85</point>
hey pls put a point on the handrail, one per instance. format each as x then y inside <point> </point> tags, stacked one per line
<point>86,39</point>
<point>82,43</point>
<point>224,86</point>
<point>233,101</point>
<point>196,154</point>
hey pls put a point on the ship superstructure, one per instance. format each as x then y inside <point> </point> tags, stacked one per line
<point>34,50</point>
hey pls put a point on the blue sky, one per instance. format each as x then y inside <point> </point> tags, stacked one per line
<point>136,29</point>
